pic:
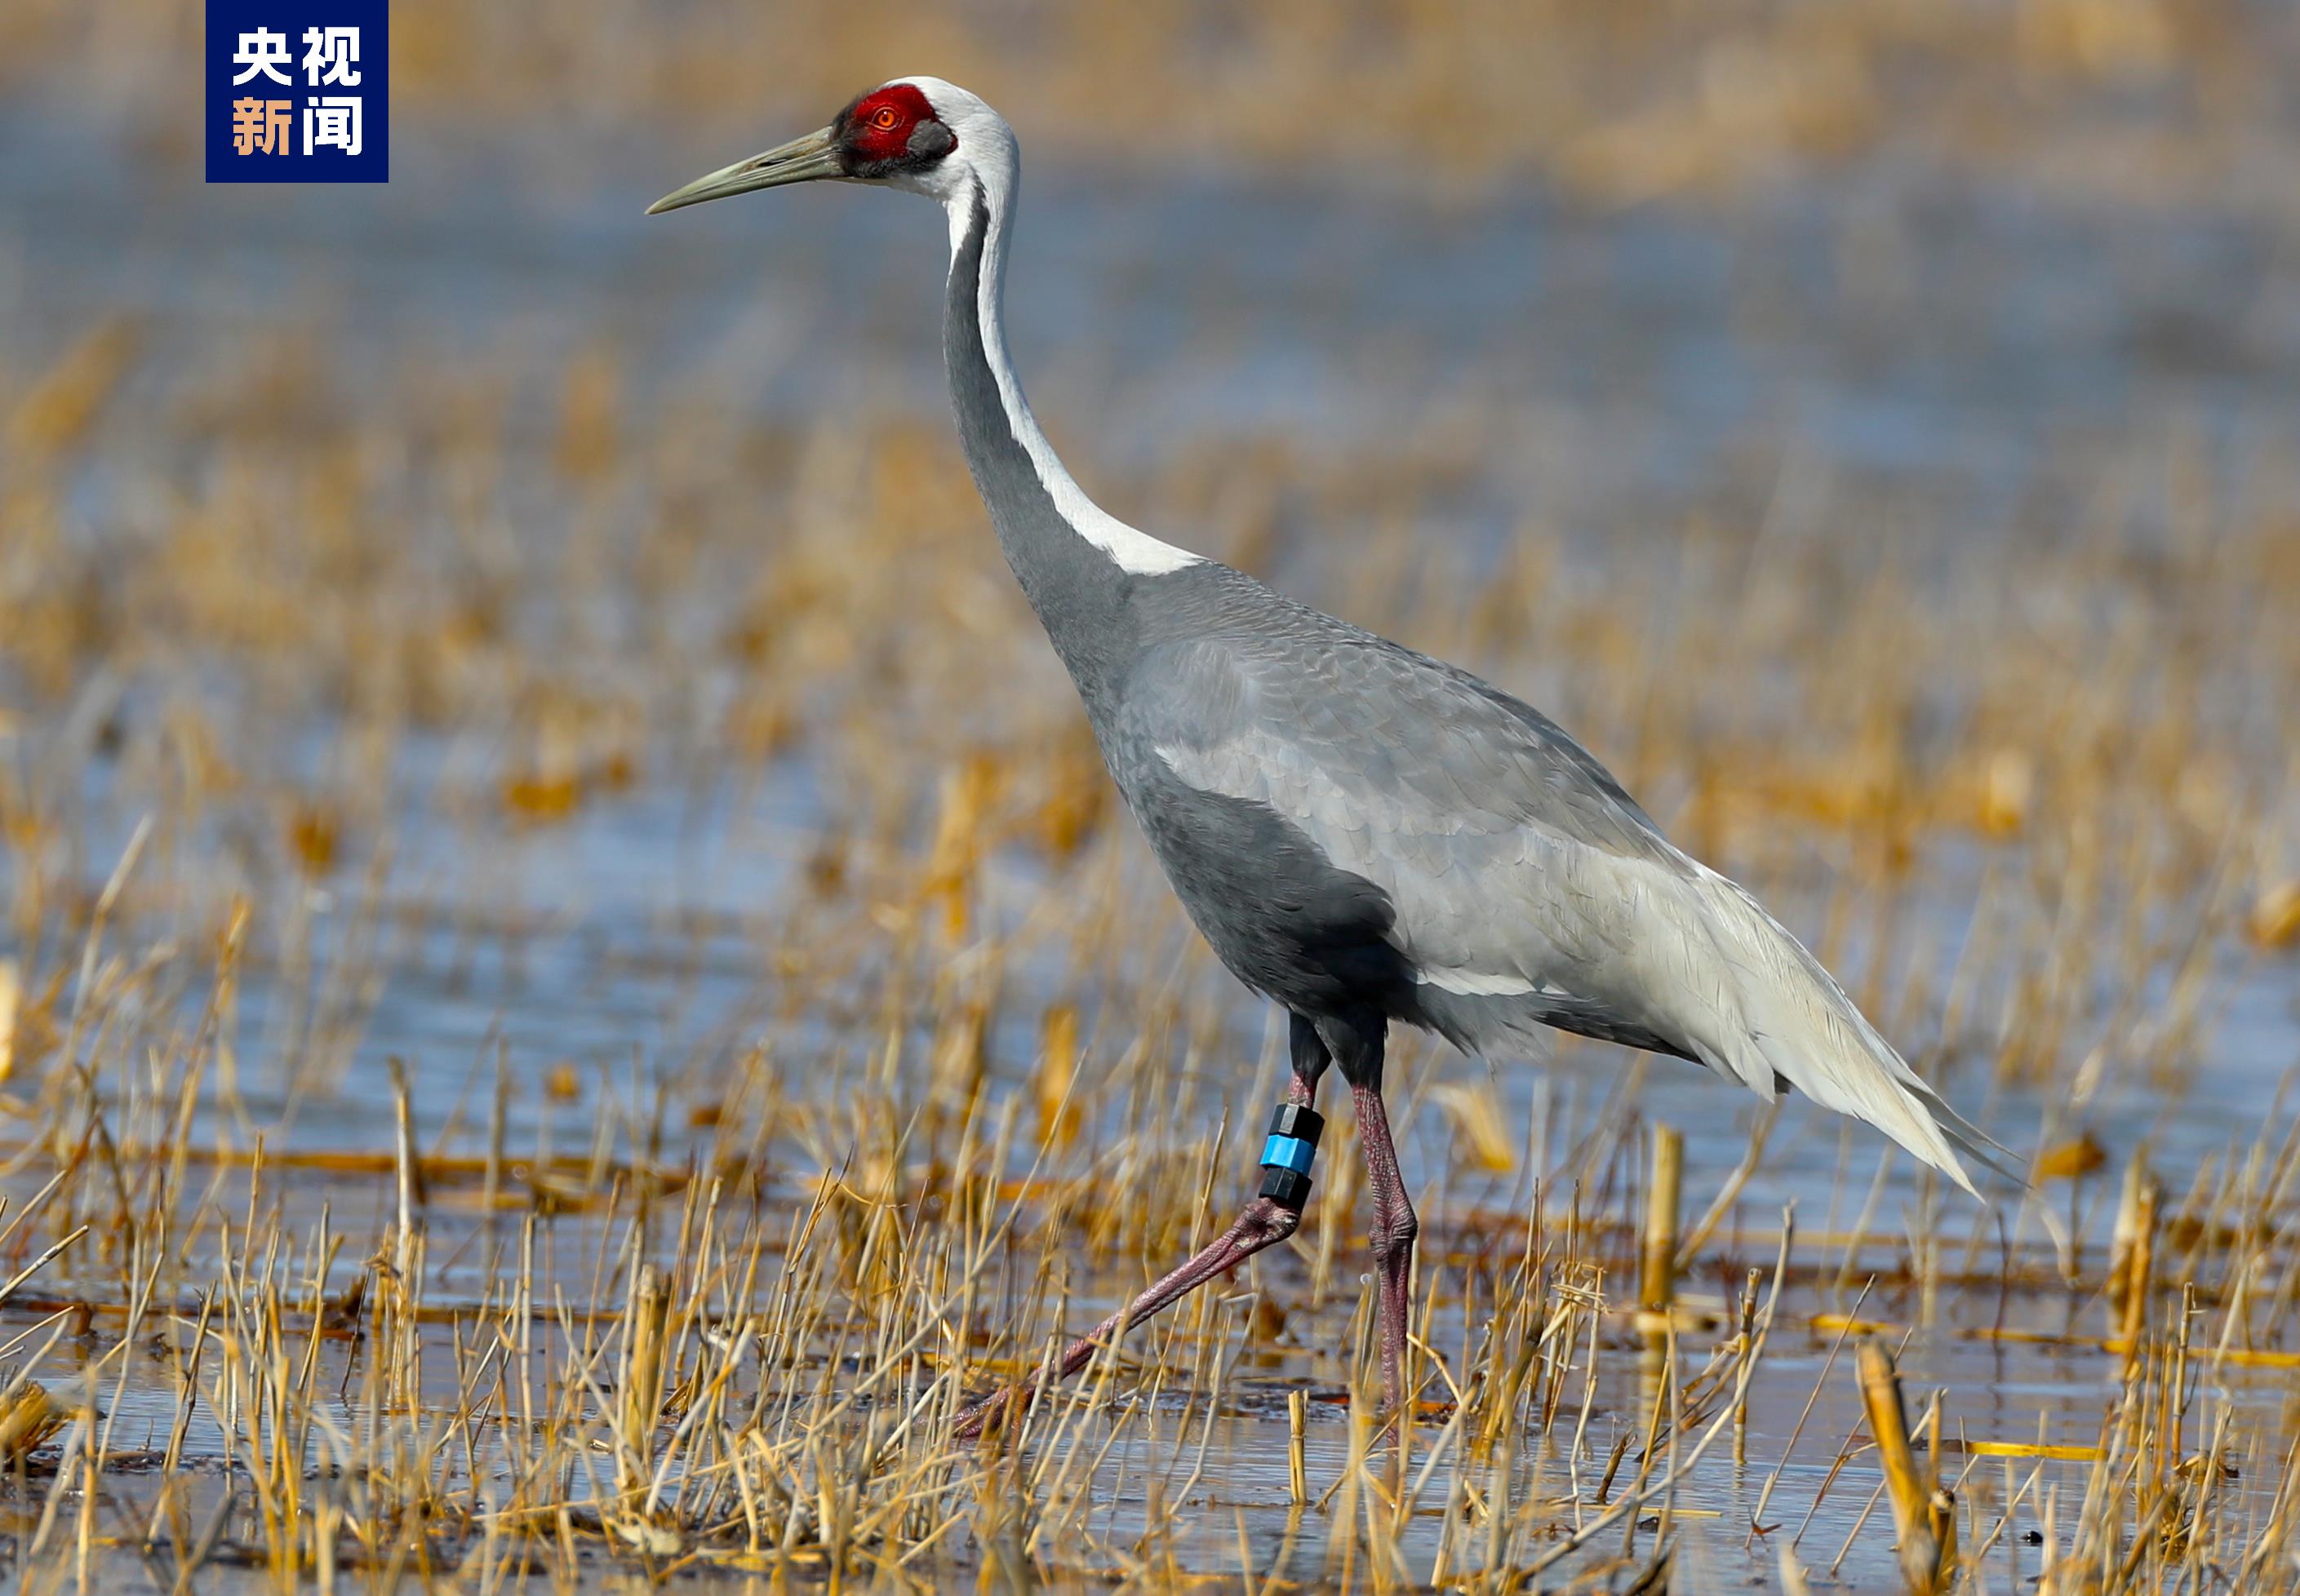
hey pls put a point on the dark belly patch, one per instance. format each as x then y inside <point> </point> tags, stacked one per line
<point>1277,912</point>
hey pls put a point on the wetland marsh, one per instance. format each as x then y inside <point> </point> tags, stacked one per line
<point>572,983</point>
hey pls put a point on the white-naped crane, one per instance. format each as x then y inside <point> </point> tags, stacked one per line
<point>1364,835</point>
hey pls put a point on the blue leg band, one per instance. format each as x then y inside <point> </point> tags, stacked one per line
<point>1289,1154</point>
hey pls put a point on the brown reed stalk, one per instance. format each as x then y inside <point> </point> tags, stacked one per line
<point>1657,1272</point>
<point>1922,1514</point>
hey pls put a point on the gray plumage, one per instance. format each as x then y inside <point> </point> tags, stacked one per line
<point>1365,832</point>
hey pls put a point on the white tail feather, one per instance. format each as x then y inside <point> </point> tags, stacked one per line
<point>1776,1016</point>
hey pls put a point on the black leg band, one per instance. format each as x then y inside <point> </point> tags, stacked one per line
<point>1286,1155</point>
<point>1285,1188</point>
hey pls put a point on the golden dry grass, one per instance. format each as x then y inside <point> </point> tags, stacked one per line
<point>316,725</point>
<point>743,1357</point>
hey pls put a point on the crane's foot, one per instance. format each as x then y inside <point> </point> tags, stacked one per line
<point>1270,1218</point>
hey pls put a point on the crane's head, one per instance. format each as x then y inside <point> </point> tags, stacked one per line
<point>921,133</point>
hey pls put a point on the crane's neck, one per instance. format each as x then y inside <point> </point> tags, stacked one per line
<point>1079,566</point>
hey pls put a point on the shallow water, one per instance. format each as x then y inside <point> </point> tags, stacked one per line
<point>1949,353</point>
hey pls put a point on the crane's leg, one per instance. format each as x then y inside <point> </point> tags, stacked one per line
<point>1359,1050</point>
<point>1394,1228</point>
<point>1270,1218</point>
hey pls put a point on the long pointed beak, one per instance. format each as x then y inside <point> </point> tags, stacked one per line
<point>800,160</point>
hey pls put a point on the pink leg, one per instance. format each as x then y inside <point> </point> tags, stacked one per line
<point>1263,1222</point>
<point>1394,1230</point>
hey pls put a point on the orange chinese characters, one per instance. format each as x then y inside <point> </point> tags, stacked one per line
<point>262,127</point>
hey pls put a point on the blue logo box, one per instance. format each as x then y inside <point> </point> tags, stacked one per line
<point>298,91</point>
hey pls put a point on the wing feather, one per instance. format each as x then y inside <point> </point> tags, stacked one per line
<point>1518,866</point>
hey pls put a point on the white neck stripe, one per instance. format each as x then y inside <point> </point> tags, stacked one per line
<point>985,154</point>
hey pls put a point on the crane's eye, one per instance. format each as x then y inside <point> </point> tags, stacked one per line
<point>884,118</point>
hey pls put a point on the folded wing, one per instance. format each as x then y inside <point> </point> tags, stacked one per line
<point>1526,884</point>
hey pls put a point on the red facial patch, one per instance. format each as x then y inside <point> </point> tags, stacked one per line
<point>879,125</point>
